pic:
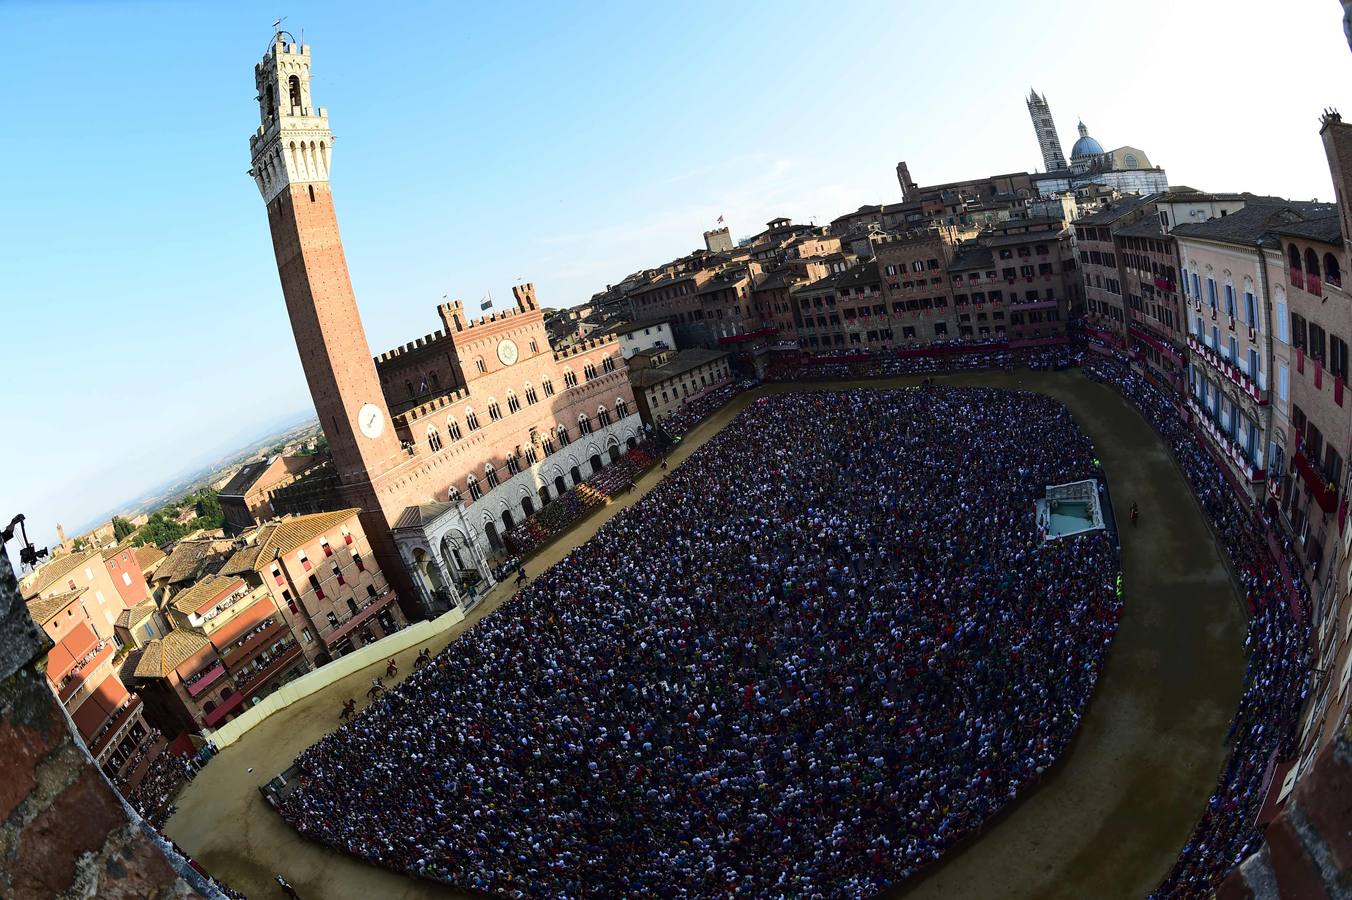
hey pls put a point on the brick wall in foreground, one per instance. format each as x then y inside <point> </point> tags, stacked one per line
<point>1307,850</point>
<point>64,832</point>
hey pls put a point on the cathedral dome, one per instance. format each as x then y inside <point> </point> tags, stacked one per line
<point>1085,146</point>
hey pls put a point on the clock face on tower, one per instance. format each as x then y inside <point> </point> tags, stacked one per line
<point>371,420</point>
<point>507,352</point>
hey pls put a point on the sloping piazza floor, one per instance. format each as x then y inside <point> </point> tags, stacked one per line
<point>1108,821</point>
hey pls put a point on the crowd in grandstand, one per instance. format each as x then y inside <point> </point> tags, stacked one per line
<point>164,774</point>
<point>1277,644</point>
<point>813,687</point>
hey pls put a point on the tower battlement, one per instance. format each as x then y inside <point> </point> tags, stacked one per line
<point>583,346</point>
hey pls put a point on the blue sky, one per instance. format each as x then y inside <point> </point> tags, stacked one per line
<point>141,322</point>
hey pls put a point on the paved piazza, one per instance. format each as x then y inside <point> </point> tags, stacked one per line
<point>1109,818</point>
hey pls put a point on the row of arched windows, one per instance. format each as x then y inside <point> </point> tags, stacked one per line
<point>1308,264</point>
<point>434,441</point>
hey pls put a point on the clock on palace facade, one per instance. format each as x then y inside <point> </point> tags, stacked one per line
<point>371,420</point>
<point>507,352</point>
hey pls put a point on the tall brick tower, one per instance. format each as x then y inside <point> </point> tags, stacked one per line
<point>1047,140</point>
<point>292,151</point>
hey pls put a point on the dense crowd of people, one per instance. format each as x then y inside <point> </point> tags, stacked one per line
<point>952,357</point>
<point>164,775</point>
<point>1277,646</point>
<point>687,416</point>
<point>795,669</point>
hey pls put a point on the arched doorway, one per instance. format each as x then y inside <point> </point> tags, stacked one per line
<point>561,486</point>
<point>527,506</point>
<point>631,443</point>
<point>507,522</point>
<point>544,495</point>
<point>596,463</point>
<point>427,568</point>
<point>491,532</point>
<point>614,453</point>
<point>577,475</point>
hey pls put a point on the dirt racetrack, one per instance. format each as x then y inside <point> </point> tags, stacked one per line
<point>1108,821</point>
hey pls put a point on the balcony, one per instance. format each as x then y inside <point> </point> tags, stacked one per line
<point>1164,284</point>
<point>1324,492</point>
<point>212,718</point>
<point>363,615</point>
<point>1225,444</point>
<point>205,679</point>
<point>1228,369</point>
<point>116,727</point>
<point>277,664</point>
<point>253,646</point>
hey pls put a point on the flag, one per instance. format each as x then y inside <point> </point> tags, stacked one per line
<point>485,303</point>
<point>720,220</point>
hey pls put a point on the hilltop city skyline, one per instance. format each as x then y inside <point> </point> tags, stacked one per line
<point>567,181</point>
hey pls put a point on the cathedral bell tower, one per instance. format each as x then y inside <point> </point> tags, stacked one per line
<point>292,150</point>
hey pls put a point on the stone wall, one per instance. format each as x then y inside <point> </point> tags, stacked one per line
<point>64,831</point>
<point>1307,850</point>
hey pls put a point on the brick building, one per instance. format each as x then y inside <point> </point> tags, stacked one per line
<point>84,574</point>
<point>481,413</point>
<point>124,568</point>
<point>666,380</point>
<point>246,499</point>
<point>229,644</point>
<point>321,574</point>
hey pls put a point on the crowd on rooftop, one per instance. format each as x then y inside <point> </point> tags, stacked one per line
<point>789,671</point>
<point>1277,646</point>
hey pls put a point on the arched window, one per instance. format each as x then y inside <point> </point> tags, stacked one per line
<point>1332,271</point>
<point>603,415</point>
<point>531,396</point>
<point>1293,258</point>
<point>479,364</point>
<point>293,88</point>
<point>621,407</point>
<point>588,371</point>
<point>1311,262</point>
<point>433,438</point>
<point>513,463</point>
<point>583,424</point>
<point>473,484</point>
<point>549,387</point>
<point>494,411</point>
<point>563,435</point>
<point>531,456</point>
<point>453,428</point>
<point>569,380</point>
<point>513,404</point>
<point>471,420</point>
<point>490,474</point>
<point>453,494</point>
<point>608,364</point>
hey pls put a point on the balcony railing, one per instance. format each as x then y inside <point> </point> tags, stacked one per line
<point>204,679</point>
<point>277,664</point>
<point>255,643</point>
<point>362,615</point>
<point>1324,491</point>
<point>220,712</point>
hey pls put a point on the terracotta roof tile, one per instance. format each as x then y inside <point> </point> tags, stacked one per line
<point>45,609</point>
<point>160,657</point>
<point>281,537</point>
<point>204,592</point>
<point>57,568</point>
